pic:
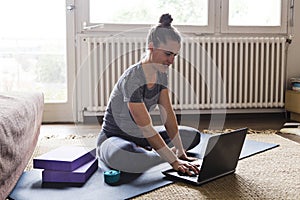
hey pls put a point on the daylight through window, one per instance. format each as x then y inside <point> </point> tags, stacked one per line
<point>188,12</point>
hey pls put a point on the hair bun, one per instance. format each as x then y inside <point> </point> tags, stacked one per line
<point>165,20</point>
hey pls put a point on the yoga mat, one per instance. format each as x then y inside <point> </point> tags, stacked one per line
<point>29,186</point>
<point>250,147</point>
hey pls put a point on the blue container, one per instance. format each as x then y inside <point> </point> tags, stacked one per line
<point>296,85</point>
<point>112,176</point>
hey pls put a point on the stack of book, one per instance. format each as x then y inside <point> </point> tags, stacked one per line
<point>67,164</point>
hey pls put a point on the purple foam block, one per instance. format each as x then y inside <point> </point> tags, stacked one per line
<point>65,158</point>
<point>80,175</point>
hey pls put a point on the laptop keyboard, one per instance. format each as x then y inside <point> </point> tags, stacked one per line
<point>199,162</point>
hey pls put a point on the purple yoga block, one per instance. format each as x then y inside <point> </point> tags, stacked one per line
<point>80,175</point>
<point>65,158</point>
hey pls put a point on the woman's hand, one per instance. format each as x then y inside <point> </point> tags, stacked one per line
<point>183,156</point>
<point>186,167</point>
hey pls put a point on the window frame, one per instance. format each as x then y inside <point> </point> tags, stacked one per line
<point>217,23</point>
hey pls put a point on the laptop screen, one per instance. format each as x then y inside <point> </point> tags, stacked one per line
<point>222,154</point>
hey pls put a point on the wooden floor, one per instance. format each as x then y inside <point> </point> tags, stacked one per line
<point>273,121</point>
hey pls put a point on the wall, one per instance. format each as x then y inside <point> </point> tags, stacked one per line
<point>293,60</point>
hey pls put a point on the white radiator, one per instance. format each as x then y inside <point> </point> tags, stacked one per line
<point>209,73</point>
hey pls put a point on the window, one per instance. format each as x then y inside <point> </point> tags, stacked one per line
<point>254,16</point>
<point>190,16</point>
<point>254,13</point>
<point>33,48</point>
<point>188,12</point>
<point>194,15</point>
<point>35,54</point>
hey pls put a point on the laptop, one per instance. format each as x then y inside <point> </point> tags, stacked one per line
<point>220,159</point>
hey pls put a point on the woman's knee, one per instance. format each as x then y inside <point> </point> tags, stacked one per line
<point>126,156</point>
<point>113,150</point>
<point>190,136</point>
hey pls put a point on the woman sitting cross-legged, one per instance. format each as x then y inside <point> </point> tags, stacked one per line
<point>128,140</point>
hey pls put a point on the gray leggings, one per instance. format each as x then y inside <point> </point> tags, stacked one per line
<point>126,156</point>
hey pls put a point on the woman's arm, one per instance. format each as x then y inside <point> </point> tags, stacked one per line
<point>143,120</point>
<point>169,119</point>
<point>170,122</point>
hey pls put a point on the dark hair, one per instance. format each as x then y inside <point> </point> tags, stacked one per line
<point>163,31</point>
<point>165,20</point>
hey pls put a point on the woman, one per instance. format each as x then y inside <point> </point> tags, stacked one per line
<point>128,141</point>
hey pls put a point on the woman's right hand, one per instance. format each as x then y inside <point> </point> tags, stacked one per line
<point>183,166</point>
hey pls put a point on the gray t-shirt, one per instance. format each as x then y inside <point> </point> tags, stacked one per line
<point>131,87</point>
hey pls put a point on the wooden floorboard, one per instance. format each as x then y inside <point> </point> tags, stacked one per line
<point>273,121</point>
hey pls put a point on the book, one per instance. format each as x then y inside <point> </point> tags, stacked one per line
<point>65,158</point>
<point>79,175</point>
